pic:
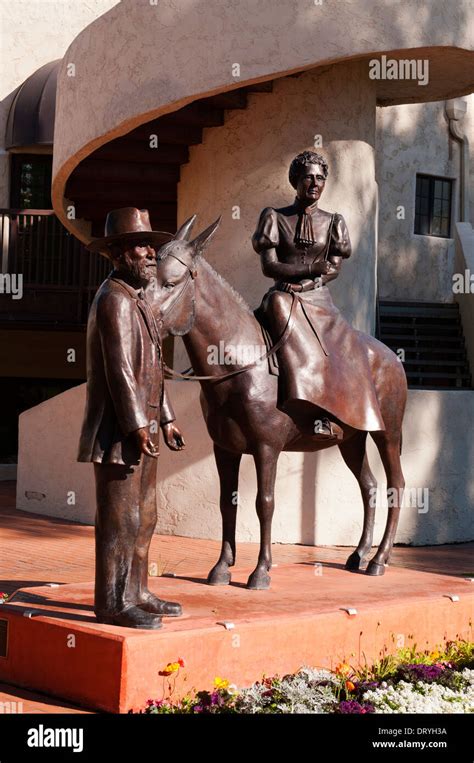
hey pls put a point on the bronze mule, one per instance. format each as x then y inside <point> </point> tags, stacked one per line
<point>241,413</point>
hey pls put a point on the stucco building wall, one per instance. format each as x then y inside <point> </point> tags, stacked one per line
<point>411,139</point>
<point>317,498</point>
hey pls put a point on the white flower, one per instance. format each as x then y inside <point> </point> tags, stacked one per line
<point>422,698</point>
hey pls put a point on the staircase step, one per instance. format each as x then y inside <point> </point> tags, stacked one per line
<point>436,363</point>
<point>415,305</point>
<point>399,327</point>
<point>432,375</point>
<point>426,337</point>
<point>438,387</point>
<point>431,335</point>
<point>417,328</point>
<point>415,320</point>
<point>451,311</point>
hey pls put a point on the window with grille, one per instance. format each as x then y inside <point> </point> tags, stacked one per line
<point>433,206</point>
<point>31,181</point>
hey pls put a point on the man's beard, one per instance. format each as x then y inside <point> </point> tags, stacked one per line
<point>139,270</point>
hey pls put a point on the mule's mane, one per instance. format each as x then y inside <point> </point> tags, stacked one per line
<point>225,285</point>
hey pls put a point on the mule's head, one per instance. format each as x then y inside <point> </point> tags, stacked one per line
<point>172,291</point>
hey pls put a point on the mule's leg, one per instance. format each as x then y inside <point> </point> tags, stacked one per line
<point>354,454</point>
<point>228,467</point>
<point>389,449</point>
<point>266,459</point>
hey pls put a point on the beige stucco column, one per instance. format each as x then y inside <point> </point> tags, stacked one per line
<point>239,169</point>
<point>242,167</point>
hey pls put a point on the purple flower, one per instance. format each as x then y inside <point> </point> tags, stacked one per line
<point>351,706</point>
<point>215,698</point>
<point>426,673</point>
<point>205,699</point>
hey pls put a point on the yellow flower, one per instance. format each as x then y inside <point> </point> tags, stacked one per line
<point>343,669</point>
<point>221,683</point>
<point>172,667</point>
<point>350,686</point>
<point>435,655</point>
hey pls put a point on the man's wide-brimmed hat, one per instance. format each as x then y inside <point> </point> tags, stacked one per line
<point>131,225</point>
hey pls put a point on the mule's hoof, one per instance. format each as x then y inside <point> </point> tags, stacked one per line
<point>259,581</point>
<point>218,577</point>
<point>354,561</point>
<point>374,568</point>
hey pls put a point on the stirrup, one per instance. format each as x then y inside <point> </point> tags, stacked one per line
<point>328,430</point>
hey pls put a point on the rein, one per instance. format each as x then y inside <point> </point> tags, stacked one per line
<point>283,338</point>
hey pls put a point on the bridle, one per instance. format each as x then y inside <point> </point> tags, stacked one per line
<point>192,274</point>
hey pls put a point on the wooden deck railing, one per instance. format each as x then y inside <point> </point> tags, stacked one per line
<point>60,276</point>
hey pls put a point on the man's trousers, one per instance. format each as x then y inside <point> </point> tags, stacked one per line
<point>125,520</point>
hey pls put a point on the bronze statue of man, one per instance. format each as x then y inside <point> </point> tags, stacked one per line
<point>125,397</point>
<point>323,367</point>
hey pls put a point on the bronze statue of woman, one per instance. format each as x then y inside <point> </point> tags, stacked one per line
<point>359,380</point>
<point>323,366</point>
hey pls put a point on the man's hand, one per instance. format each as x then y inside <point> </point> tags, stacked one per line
<point>146,446</point>
<point>172,436</point>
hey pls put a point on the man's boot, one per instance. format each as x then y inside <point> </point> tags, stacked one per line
<point>132,617</point>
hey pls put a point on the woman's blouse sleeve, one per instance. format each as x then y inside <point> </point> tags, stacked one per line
<point>266,236</point>
<point>340,245</point>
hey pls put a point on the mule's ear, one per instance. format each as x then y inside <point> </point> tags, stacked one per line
<point>204,238</point>
<point>183,232</point>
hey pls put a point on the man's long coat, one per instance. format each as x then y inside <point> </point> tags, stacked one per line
<point>125,387</point>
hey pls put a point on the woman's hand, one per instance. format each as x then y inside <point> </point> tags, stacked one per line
<point>289,287</point>
<point>333,270</point>
<point>321,268</point>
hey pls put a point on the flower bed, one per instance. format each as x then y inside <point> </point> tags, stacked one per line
<point>407,682</point>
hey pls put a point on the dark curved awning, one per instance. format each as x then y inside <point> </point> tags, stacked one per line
<point>31,117</point>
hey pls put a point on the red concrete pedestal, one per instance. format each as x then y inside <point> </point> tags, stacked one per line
<point>56,646</point>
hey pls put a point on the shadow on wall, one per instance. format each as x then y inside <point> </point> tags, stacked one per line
<point>411,140</point>
<point>438,452</point>
<point>443,461</point>
<point>437,458</point>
